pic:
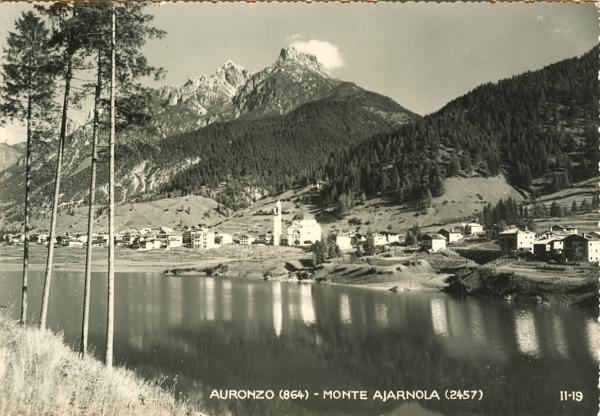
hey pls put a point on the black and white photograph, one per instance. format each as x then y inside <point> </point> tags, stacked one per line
<point>299,208</point>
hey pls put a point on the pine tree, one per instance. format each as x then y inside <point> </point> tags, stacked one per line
<point>108,357</point>
<point>595,201</point>
<point>27,95</point>
<point>369,245</point>
<point>574,208</point>
<point>98,24</point>
<point>66,40</point>
<point>319,250</point>
<point>454,166</point>
<point>131,99</point>
<point>555,210</point>
<point>413,235</point>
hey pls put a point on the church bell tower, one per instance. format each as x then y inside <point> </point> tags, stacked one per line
<point>277,224</point>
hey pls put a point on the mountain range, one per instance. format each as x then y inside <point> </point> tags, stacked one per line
<point>218,122</point>
<point>233,92</point>
<point>236,136</point>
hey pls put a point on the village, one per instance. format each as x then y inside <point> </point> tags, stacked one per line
<point>557,243</point>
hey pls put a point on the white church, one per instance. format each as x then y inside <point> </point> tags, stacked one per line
<point>304,231</point>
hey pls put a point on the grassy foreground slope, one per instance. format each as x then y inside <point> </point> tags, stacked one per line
<point>40,375</point>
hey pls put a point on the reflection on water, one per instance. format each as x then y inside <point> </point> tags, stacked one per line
<point>277,309</point>
<point>560,343</point>
<point>381,315</point>
<point>250,302</point>
<point>219,333</point>
<point>307,305</point>
<point>525,332</point>
<point>345,311</point>
<point>227,302</point>
<point>209,299</point>
<point>475,322</point>
<point>593,337</point>
<point>438,317</point>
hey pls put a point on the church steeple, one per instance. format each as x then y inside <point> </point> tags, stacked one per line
<point>277,224</point>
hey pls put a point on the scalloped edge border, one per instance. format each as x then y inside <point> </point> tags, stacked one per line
<point>596,2</point>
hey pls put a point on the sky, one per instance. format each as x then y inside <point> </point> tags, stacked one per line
<point>420,54</point>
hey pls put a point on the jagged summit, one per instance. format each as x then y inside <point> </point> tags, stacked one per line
<point>200,100</point>
<point>291,54</point>
<point>234,74</point>
<point>293,79</point>
<point>223,84</point>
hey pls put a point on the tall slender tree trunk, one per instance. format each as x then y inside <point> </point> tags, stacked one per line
<point>90,228</point>
<point>27,214</point>
<point>110,314</point>
<point>55,202</point>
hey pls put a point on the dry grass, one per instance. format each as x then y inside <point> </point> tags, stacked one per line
<point>187,210</point>
<point>40,375</point>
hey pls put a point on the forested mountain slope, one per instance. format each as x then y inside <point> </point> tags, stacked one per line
<point>538,128</point>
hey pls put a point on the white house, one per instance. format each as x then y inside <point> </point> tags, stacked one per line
<point>515,239</point>
<point>379,239</point>
<point>150,245</point>
<point>42,238</point>
<point>433,242</point>
<point>451,235</point>
<point>223,239</point>
<point>74,243</point>
<point>169,238</point>
<point>267,238</point>
<point>582,248</point>
<point>562,229</point>
<point>305,230</point>
<point>473,228</point>
<point>174,241</point>
<point>343,241</point>
<point>246,240</point>
<point>392,238</point>
<point>15,239</point>
<point>199,238</point>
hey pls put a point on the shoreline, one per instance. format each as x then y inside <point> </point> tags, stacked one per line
<point>504,278</point>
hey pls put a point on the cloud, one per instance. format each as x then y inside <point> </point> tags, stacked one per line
<point>327,53</point>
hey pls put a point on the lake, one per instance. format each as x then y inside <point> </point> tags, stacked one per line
<point>200,334</point>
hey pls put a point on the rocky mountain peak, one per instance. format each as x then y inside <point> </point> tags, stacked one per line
<point>293,55</point>
<point>234,74</point>
<point>207,89</point>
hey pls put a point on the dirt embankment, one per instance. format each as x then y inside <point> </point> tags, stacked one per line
<point>513,285</point>
<point>415,272</point>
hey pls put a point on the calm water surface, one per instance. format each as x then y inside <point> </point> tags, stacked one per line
<point>220,333</point>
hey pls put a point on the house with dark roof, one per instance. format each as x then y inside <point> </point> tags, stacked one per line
<point>433,242</point>
<point>516,239</point>
<point>451,235</point>
<point>563,229</point>
<point>584,247</point>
